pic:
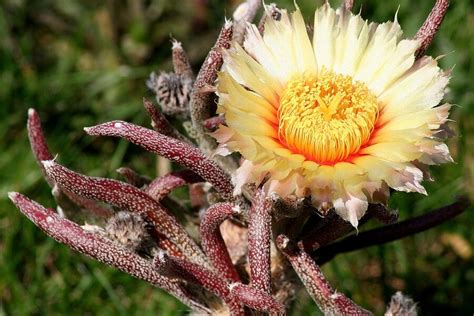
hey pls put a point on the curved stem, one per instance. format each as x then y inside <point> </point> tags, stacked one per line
<point>328,300</point>
<point>212,241</point>
<point>259,242</point>
<point>392,232</point>
<point>430,27</point>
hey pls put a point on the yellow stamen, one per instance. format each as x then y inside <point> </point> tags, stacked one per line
<point>326,117</point>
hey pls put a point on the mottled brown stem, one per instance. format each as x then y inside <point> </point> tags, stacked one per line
<point>330,229</point>
<point>198,195</point>
<point>260,221</point>
<point>185,270</point>
<point>162,186</point>
<point>290,207</point>
<point>430,27</point>
<point>100,248</point>
<point>393,232</point>
<point>212,242</point>
<point>323,235</point>
<point>256,299</point>
<point>381,213</point>
<point>328,300</point>
<point>272,11</point>
<point>132,177</point>
<point>68,201</point>
<point>160,123</point>
<point>37,140</point>
<point>170,148</point>
<point>244,14</point>
<point>212,123</point>
<point>181,63</point>
<point>202,101</point>
<point>349,4</point>
<point>129,198</point>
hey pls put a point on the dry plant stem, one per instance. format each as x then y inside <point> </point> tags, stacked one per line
<point>160,123</point>
<point>162,241</point>
<point>431,26</point>
<point>37,140</point>
<point>382,214</point>
<point>202,101</point>
<point>393,232</point>
<point>212,123</point>
<point>328,300</point>
<point>212,241</point>
<point>170,148</point>
<point>256,299</point>
<point>284,208</point>
<point>68,201</point>
<point>72,201</point>
<point>132,177</point>
<point>260,221</point>
<point>162,186</point>
<point>100,248</point>
<point>335,228</point>
<point>129,198</point>
<point>185,270</point>
<point>181,62</point>
<point>271,11</point>
<point>244,13</point>
<point>349,4</point>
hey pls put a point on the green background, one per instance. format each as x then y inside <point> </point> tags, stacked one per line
<point>84,62</point>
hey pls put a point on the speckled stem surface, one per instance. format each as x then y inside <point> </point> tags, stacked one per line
<point>212,242</point>
<point>185,270</point>
<point>170,148</point>
<point>162,186</point>
<point>259,242</point>
<point>129,198</point>
<point>100,248</point>
<point>430,27</point>
<point>328,300</point>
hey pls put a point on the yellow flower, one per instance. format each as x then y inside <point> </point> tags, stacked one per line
<point>340,118</point>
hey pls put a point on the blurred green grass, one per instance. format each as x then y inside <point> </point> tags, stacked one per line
<point>83,62</point>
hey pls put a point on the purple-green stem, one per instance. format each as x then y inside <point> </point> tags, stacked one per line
<point>196,274</point>
<point>170,148</point>
<point>212,241</point>
<point>260,222</point>
<point>430,27</point>
<point>129,198</point>
<point>328,300</point>
<point>100,248</point>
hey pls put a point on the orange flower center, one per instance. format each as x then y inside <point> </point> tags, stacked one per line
<point>326,117</point>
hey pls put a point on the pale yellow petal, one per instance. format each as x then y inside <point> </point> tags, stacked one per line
<point>393,151</point>
<point>237,98</point>
<point>422,87</point>
<point>302,45</point>
<point>351,206</point>
<point>434,152</point>
<point>246,71</point>
<point>258,49</point>
<point>250,124</point>
<point>399,176</point>
<point>324,33</point>
<point>383,40</point>
<point>400,60</point>
<point>351,42</point>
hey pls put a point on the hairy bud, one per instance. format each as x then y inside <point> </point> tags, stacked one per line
<point>173,93</point>
<point>130,231</point>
